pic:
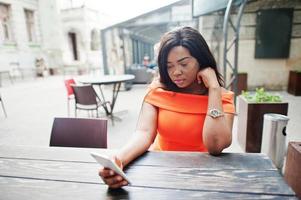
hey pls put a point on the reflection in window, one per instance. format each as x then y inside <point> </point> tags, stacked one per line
<point>5,29</point>
<point>29,15</point>
<point>140,50</point>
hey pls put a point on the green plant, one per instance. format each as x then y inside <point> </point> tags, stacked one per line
<point>261,96</point>
<point>298,70</point>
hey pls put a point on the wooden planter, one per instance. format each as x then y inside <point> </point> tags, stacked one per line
<point>292,173</point>
<point>250,122</point>
<point>294,83</point>
<point>242,83</point>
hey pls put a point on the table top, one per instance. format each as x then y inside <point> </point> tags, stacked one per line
<point>106,79</point>
<point>71,173</point>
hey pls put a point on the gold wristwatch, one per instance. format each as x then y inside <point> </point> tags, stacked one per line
<point>215,113</point>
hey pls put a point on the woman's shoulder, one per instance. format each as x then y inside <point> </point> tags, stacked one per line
<point>156,83</point>
<point>162,90</point>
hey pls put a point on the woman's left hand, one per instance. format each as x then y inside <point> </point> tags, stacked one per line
<point>208,77</point>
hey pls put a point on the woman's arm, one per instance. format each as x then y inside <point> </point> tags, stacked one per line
<point>217,132</point>
<point>143,137</point>
<point>140,141</point>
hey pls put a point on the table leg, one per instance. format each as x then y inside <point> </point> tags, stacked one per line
<point>116,88</point>
<point>107,110</point>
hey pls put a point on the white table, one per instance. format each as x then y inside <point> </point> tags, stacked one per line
<point>114,80</point>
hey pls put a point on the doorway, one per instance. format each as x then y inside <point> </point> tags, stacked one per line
<point>72,39</point>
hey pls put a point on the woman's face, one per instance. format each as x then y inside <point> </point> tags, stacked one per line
<point>182,68</point>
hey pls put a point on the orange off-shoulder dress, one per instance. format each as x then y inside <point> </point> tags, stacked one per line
<point>181,118</point>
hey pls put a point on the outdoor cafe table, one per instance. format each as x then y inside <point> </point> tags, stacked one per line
<point>71,173</point>
<point>114,80</point>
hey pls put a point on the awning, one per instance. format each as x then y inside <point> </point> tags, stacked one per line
<point>205,7</point>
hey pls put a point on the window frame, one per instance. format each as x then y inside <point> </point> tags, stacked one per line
<point>5,27</point>
<point>30,25</point>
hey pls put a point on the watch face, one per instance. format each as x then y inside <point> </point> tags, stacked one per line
<point>215,113</point>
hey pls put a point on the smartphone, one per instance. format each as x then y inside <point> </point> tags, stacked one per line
<point>105,161</point>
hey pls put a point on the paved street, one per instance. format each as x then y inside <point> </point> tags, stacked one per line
<point>31,105</point>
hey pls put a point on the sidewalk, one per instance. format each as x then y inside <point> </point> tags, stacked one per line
<point>32,104</point>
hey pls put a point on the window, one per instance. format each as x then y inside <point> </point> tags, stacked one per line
<point>272,40</point>
<point>95,40</point>
<point>141,49</point>
<point>73,44</point>
<point>29,17</point>
<point>5,28</point>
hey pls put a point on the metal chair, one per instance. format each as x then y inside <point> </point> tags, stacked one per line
<point>3,106</point>
<point>79,132</point>
<point>87,99</point>
<point>70,92</point>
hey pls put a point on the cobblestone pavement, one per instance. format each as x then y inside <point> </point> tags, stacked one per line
<point>32,104</point>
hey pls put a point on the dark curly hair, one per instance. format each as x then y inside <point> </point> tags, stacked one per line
<point>192,40</point>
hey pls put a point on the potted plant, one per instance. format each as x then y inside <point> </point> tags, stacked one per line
<point>251,109</point>
<point>294,82</point>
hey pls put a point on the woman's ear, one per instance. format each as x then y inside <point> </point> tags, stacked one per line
<point>199,77</point>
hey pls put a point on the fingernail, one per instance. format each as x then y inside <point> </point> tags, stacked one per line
<point>119,178</point>
<point>111,172</point>
<point>124,183</point>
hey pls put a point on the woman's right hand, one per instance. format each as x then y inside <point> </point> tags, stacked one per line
<point>110,177</point>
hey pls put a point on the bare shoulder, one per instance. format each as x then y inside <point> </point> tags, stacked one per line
<point>156,83</point>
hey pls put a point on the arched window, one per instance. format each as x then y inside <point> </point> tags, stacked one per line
<point>5,29</point>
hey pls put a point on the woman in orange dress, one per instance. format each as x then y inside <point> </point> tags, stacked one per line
<point>187,109</point>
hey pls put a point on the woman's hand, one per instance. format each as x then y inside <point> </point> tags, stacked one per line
<point>209,78</point>
<point>110,177</point>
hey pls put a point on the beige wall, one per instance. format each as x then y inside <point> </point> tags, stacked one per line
<point>270,73</point>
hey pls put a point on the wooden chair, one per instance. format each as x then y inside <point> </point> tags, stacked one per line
<point>70,92</point>
<point>87,99</point>
<point>79,132</point>
<point>3,106</point>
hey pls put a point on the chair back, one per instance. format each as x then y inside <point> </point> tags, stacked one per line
<point>85,94</point>
<point>68,83</point>
<point>79,132</point>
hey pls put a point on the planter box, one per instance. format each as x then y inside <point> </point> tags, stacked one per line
<point>242,83</point>
<point>294,83</point>
<point>292,173</point>
<point>250,122</point>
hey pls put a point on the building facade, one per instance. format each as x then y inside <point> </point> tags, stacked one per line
<point>81,38</point>
<point>266,71</point>
<point>38,32</point>
<point>29,32</point>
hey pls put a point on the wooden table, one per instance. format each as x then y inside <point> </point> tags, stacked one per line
<point>71,173</point>
<point>114,80</point>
